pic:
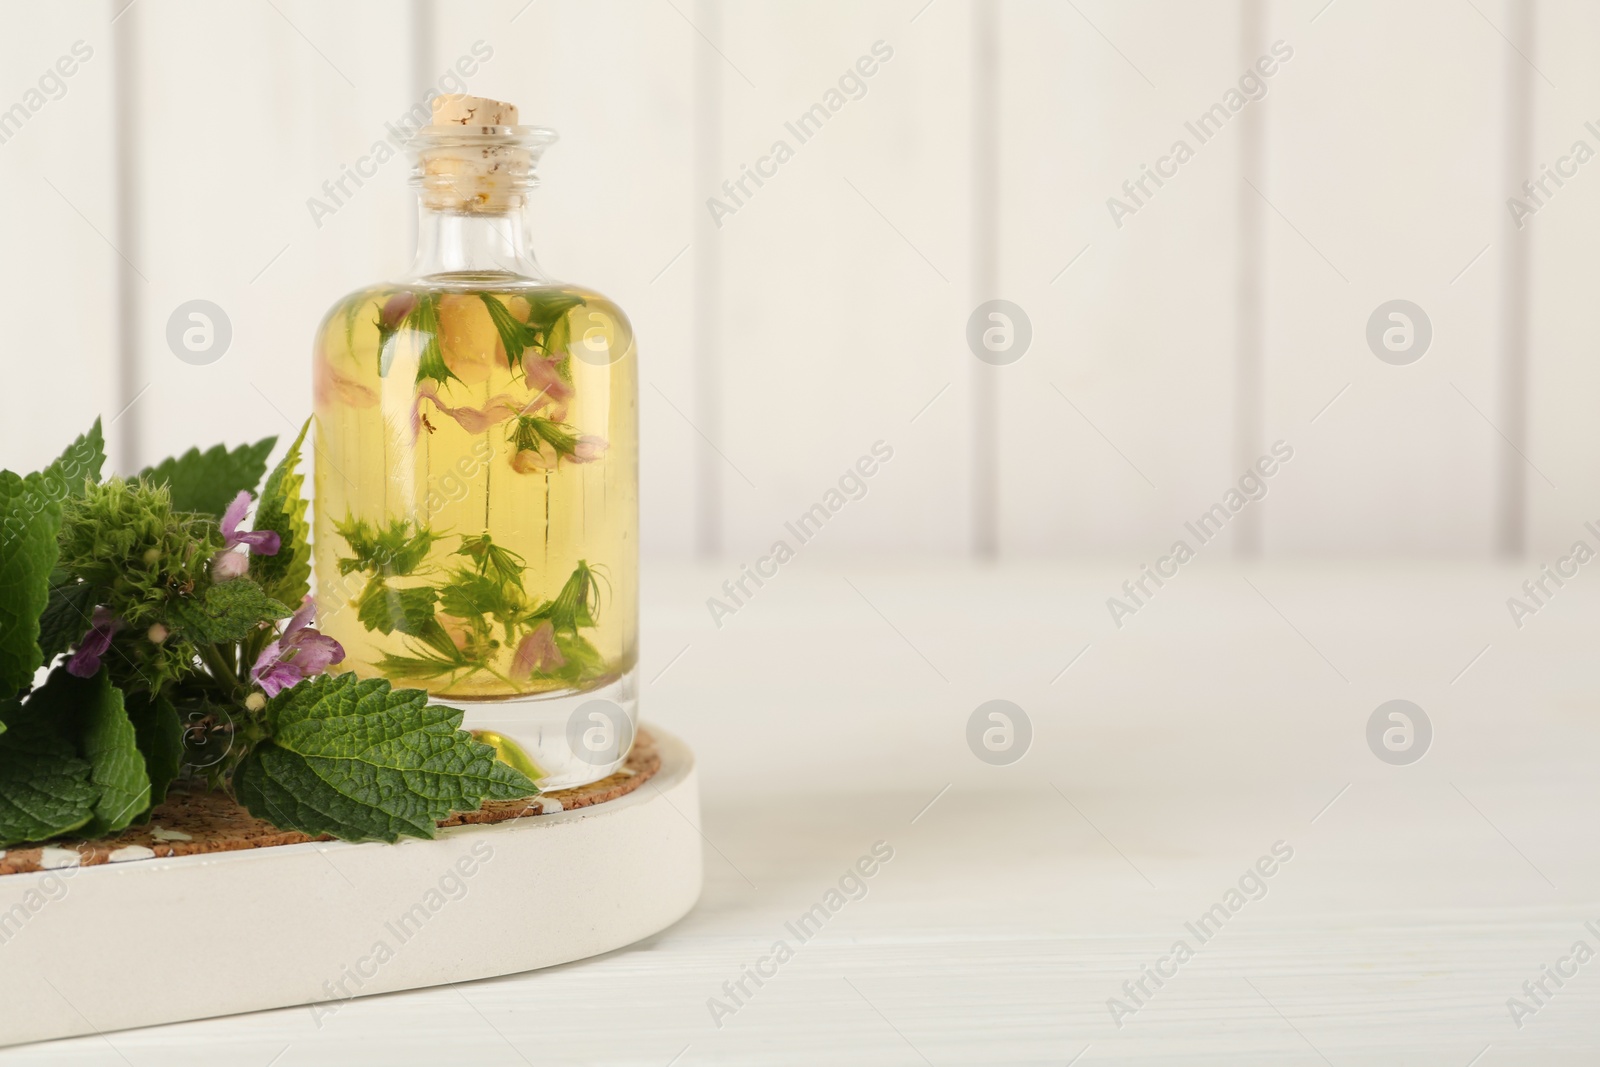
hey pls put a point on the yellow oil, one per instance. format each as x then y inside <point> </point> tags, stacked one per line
<point>446,517</point>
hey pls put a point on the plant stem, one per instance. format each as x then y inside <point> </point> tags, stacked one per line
<point>214,660</point>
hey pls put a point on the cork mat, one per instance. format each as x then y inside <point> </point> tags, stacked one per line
<point>193,820</point>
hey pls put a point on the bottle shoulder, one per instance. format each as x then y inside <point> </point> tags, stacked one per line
<point>542,293</point>
<point>457,332</point>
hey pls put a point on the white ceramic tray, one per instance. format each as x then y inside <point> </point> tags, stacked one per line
<point>120,945</point>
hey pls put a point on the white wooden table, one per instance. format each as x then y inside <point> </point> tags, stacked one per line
<point>1228,715</point>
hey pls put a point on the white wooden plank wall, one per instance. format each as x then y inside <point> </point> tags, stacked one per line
<point>1564,317</point>
<point>1117,425</point>
<point>57,214</point>
<point>827,311</point>
<point>1385,183</point>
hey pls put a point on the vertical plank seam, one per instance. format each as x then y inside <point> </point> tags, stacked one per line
<point>127,433</point>
<point>1249,275</point>
<point>985,253</point>
<point>708,117</point>
<point>423,27</point>
<point>1510,496</point>
<point>422,15</point>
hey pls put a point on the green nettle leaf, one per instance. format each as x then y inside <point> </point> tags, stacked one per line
<point>26,522</point>
<point>560,340</point>
<point>514,336</point>
<point>529,430</point>
<point>352,758</point>
<point>391,552</point>
<point>79,464</point>
<point>30,518</point>
<point>435,655</point>
<point>546,310</point>
<point>424,318</point>
<point>469,595</point>
<point>491,559</point>
<point>399,554</point>
<point>583,659</point>
<point>421,667</point>
<point>282,508</point>
<point>90,714</point>
<point>159,732</point>
<point>66,616</point>
<point>44,789</point>
<point>230,611</point>
<point>386,609</point>
<point>361,538</point>
<point>578,603</point>
<point>207,481</point>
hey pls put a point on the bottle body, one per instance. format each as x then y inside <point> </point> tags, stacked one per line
<point>477,508</point>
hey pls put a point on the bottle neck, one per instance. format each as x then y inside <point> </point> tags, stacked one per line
<point>476,243</point>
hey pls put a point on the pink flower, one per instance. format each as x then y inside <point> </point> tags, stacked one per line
<point>328,386</point>
<point>226,566</point>
<point>473,420</point>
<point>261,542</point>
<point>299,652</point>
<point>85,663</point>
<point>544,379</point>
<point>477,420</point>
<point>537,652</point>
<point>395,310</point>
<point>528,460</point>
<point>589,448</point>
<point>456,629</point>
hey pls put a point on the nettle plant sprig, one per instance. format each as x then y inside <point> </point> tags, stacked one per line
<point>182,646</point>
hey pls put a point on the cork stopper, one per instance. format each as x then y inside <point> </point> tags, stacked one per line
<point>458,109</point>
<point>472,159</point>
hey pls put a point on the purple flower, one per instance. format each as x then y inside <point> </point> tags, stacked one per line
<point>226,566</point>
<point>299,652</point>
<point>261,542</point>
<point>85,663</point>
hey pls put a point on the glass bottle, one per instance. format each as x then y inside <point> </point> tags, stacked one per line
<point>476,518</point>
